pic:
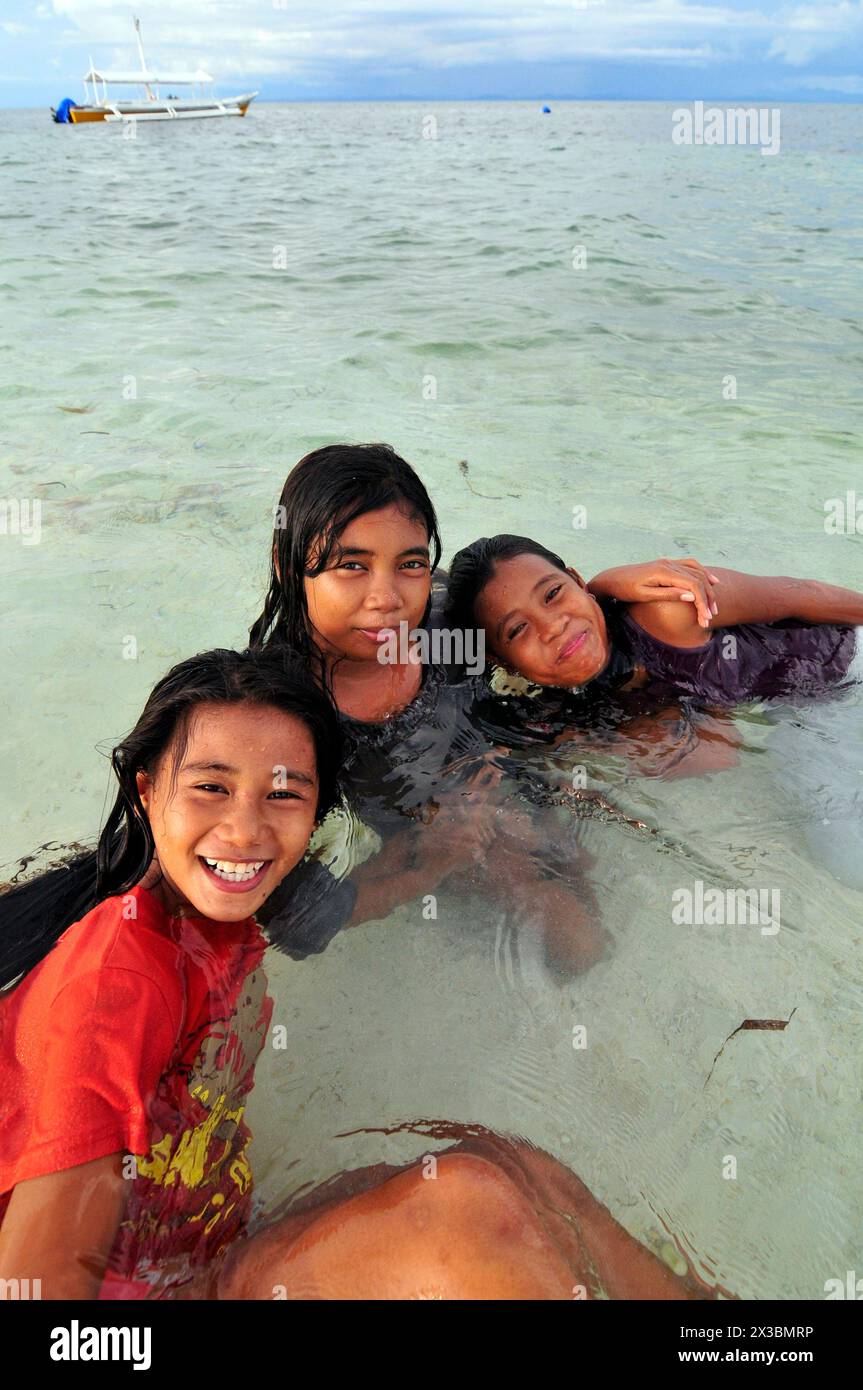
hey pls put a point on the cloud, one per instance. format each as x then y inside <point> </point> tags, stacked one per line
<point>808,31</point>
<point>316,47</point>
<point>848,86</point>
<point>311,36</point>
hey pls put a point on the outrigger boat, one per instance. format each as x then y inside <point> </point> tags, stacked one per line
<point>150,105</point>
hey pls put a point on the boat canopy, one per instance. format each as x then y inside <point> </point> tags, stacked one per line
<point>174,79</point>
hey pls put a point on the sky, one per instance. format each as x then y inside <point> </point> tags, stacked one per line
<point>319,50</point>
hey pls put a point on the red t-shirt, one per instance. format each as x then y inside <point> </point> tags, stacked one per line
<point>139,1032</point>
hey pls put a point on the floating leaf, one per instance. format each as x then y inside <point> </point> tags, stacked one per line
<point>750,1024</point>
<point>489,496</point>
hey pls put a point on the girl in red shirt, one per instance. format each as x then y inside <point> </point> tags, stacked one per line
<point>134,1002</point>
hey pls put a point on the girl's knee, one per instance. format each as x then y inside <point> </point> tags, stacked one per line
<point>469,1179</point>
<point>465,1193</point>
<point>471,1232</point>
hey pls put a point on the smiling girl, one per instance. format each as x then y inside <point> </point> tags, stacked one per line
<point>134,1003</point>
<point>766,637</point>
<point>354,545</point>
<point>354,550</point>
<point>355,542</point>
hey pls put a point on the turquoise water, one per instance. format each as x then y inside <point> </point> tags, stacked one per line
<point>187,312</point>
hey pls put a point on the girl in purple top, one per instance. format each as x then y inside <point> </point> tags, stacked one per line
<point>759,638</point>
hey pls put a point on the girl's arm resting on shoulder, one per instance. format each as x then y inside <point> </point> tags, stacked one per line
<point>60,1228</point>
<point>660,580</point>
<point>752,598</point>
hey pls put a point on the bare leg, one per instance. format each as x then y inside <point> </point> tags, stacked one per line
<point>564,912</point>
<point>604,1257</point>
<point>499,1220</point>
<point>466,1233</point>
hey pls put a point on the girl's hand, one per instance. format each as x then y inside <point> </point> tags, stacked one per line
<point>746,598</point>
<point>461,823</point>
<point>659,581</point>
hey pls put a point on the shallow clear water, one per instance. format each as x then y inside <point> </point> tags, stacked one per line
<point>428,297</point>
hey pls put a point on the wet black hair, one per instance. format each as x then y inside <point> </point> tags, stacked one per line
<point>474,566</point>
<point>35,913</point>
<point>327,490</point>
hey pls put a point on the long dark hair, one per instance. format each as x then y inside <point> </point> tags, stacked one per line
<point>474,566</point>
<point>34,914</point>
<point>327,490</point>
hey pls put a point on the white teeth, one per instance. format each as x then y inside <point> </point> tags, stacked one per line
<point>234,873</point>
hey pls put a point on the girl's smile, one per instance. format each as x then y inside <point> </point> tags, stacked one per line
<point>573,646</point>
<point>233,813</point>
<point>236,876</point>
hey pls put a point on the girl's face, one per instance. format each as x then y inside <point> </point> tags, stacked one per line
<point>378,577</point>
<point>541,622</point>
<point>234,816</point>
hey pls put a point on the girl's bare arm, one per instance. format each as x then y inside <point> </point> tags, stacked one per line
<point>664,743</point>
<point>60,1228</point>
<point>751,598</point>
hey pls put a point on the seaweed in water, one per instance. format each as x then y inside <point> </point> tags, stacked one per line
<point>490,496</point>
<point>750,1024</point>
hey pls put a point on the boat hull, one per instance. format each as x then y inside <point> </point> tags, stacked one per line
<point>79,115</point>
<point>161,110</point>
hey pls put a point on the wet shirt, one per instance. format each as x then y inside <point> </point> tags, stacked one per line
<point>138,1033</point>
<point>752,661</point>
<point>393,768</point>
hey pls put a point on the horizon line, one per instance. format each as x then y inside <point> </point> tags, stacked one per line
<point>824,99</point>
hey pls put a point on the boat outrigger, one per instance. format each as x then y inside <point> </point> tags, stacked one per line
<point>149,105</point>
